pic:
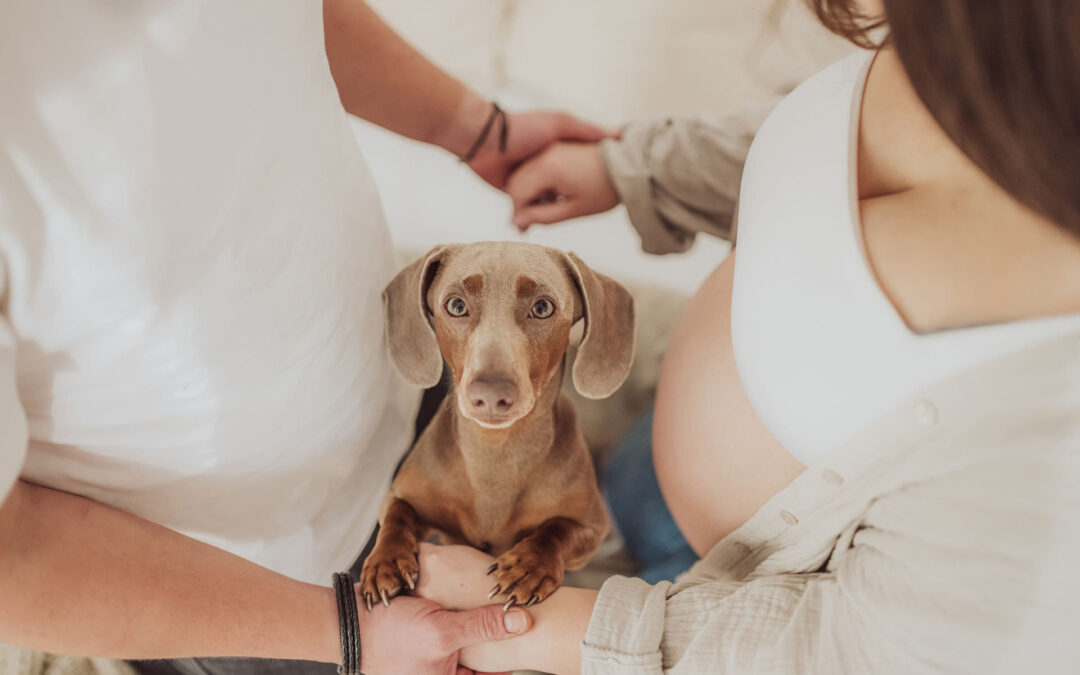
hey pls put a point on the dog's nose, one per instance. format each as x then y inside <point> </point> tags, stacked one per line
<point>492,396</point>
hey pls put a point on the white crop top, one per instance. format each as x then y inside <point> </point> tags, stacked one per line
<point>820,349</point>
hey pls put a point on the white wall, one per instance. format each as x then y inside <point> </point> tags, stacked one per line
<point>609,60</point>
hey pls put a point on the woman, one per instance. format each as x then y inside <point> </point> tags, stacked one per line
<point>868,420</point>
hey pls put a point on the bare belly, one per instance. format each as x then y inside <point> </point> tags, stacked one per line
<point>716,462</point>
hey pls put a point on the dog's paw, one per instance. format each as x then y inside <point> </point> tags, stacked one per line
<point>525,576</point>
<point>386,573</point>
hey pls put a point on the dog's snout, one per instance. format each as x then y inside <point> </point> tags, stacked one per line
<point>492,396</point>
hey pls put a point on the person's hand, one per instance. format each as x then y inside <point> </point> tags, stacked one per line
<point>567,180</point>
<point>455,576</point>
<point>415,635</point>
<point>530,133</point>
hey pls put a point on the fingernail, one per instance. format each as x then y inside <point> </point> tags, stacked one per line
<point>514,620</point>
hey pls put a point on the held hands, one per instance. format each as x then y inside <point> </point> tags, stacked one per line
<point>566,180</point>
<point>529,133</point>
<point>551,165</point>
<point>455,576</point>
<point>417,635</point>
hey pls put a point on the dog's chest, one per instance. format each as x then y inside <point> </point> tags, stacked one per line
<point>499,507</point>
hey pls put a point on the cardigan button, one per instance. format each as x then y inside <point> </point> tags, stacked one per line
<point>832,478</point>
<point>925,413</point>
<point>788,517</point>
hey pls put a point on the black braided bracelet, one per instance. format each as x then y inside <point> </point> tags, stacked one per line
<point>497,113</point>
<point>349,620</point>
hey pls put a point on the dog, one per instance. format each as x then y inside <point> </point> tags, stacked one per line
<point>503,465</point>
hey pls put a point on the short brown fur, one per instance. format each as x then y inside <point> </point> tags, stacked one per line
<point>520,486</point>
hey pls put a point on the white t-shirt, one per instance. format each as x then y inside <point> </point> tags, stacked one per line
<point>192,253</point>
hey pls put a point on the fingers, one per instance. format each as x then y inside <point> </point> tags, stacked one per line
<point>531,182</point>
<point>536,194</point>
<point>485,624</point>
<point>574,129</point>
<point>545,213</point>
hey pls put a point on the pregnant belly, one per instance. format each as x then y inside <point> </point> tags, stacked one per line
<point>716,462</point>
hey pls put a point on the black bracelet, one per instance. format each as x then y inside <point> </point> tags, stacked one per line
<point>497,113</point>
<point>349,620</point>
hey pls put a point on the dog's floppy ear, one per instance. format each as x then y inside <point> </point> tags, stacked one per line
<point>409,335</point>
<point>607,348</point>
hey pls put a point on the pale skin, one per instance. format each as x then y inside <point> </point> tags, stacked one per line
<point>948,246</point>
<point>137,582</point>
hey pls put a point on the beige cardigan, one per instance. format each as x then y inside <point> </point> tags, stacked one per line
<point>944,538</point>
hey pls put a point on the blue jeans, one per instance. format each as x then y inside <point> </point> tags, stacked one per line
<point>643,519</point>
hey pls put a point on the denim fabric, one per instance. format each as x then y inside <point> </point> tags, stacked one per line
<point>643,519</point>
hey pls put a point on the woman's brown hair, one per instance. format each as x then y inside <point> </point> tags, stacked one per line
<point>1001,77</point>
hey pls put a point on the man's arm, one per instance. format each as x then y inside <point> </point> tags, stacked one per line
<point>77,577</point>
<point>383,80</point>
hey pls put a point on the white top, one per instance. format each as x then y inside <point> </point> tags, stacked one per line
<point>820,350</point>
<point>192,253</point>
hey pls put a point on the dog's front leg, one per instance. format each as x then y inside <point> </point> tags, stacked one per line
<point>393,564</point>
<point>534,567</point>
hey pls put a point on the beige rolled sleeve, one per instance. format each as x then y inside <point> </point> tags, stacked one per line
<point>680,176</point>
<point>965,573</point>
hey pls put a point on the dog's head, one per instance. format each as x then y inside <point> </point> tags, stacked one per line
<point>500,314</point>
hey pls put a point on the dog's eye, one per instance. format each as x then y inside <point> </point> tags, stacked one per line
<point>542,309</point>
<point>455,306</point>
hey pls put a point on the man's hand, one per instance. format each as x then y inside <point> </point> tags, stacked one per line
<point>456,576</point>
<point>567,180</point>
<point>529,134</point>
<point>414,635</point>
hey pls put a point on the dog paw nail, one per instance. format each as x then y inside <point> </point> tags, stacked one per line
<point>494,591</point>
<point>510,603</point>
<point>410,582</point>
<point>367,601</point>
<point>493,568</point>
<point>385,597</point>
<point>532,600</point>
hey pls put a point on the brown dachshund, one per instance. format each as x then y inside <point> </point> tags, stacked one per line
<point>503,465</point>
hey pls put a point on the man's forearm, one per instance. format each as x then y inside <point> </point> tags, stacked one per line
<point>78,577</point>
<point>384,80</point>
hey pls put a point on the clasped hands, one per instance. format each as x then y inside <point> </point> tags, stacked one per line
<point>448,627</point>
<point>552,169</point>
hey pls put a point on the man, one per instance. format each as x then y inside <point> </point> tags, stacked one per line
<point>191,257</point>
